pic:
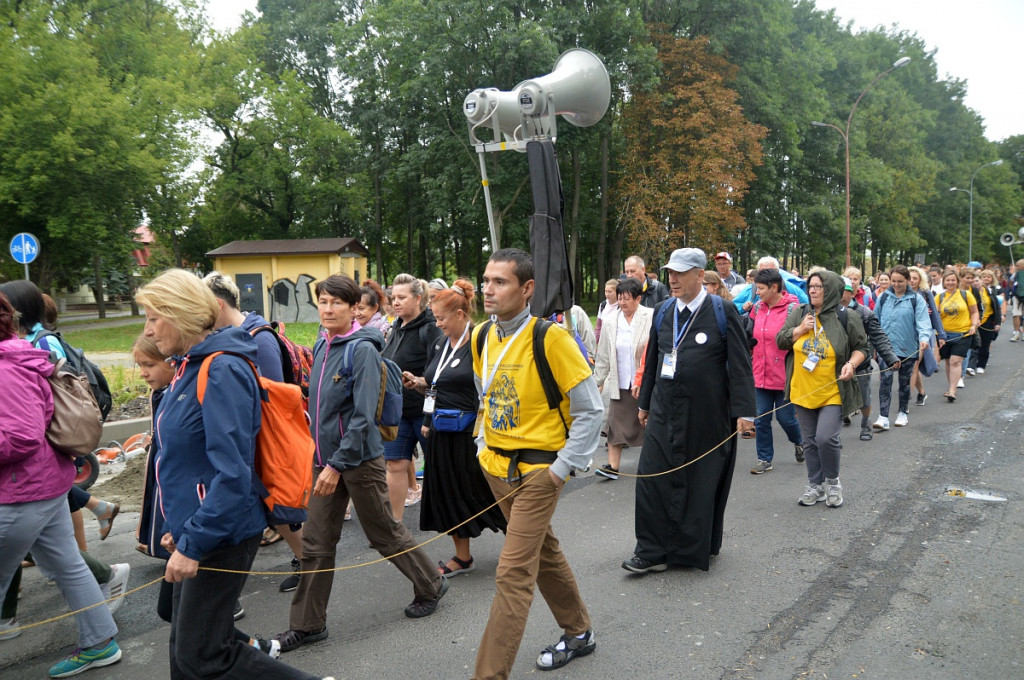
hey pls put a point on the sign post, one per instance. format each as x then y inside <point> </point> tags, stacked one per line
<point>24,249</point>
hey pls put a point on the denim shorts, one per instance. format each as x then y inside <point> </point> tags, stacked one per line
<point>404,446</point>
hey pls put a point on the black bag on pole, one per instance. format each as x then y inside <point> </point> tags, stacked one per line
<point>552,273</point>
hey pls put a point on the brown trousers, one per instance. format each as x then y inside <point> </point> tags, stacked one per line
<point>368,489</point>
<point>531,556</point>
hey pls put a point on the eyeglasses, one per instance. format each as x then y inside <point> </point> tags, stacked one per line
<point>815,286</point>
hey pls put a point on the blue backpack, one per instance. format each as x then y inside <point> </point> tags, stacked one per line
<point>389,405</point>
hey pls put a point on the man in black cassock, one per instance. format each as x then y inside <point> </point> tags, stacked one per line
<point>698,388</point>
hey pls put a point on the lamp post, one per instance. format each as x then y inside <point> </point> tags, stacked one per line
<point>902,61</point>
<point>970,222</point>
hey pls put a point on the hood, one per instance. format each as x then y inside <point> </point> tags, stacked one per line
<point>787,299</point>
<point>426,317</point>
<point>24,354</point>
<point>226,339</point>
<point>790,278</point>
<point>833,290</point>
<point>361,333</point>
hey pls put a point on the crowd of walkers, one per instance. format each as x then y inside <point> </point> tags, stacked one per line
<point>502,413</point>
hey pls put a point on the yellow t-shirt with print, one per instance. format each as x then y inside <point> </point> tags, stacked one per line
<point>955,313</point>
<point>817,388</point>
<point>515,410</point>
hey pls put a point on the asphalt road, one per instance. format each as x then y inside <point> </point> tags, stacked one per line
<point>904,581</point>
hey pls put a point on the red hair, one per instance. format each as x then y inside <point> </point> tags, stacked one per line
<point>460,296</point>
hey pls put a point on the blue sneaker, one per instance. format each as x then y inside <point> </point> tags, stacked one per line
<point>84,659</point>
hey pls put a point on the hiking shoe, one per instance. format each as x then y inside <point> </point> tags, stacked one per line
<point>815,493</point>
<point>565,650</point>
<point>607,471</point>
<point>293,639</point>
<point>921,398</point>
<point>238,612</point>
<point>970,372</point>
<point>799,453</point>
<point>901,419</point>
<point>116,586</point>
<point>833,493</point>
<point>84,659</point>
<point>639,565</point>
<point>292,582</point>
<point>271,648</point>
<point>882,424</point>
<point>761,467</point>
<point>9,628</point>
<point>960,383</point>
<point>421,607</point>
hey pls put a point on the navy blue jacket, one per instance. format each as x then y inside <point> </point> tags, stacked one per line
<point>204,454</point>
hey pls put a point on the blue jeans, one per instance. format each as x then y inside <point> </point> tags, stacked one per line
<point>405,444</point>
<point>767,400</point>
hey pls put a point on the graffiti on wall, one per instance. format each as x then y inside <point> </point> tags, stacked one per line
<point>292,301</point>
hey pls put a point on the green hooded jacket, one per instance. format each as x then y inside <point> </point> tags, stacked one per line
<point>844,342</point>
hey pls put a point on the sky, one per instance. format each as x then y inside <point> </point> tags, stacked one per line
<point>977,41</point>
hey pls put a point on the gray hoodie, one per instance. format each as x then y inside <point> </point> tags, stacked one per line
<point>343,410</point>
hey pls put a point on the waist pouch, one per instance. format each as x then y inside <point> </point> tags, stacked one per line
<point>450,420</point>
<point>528,456</point>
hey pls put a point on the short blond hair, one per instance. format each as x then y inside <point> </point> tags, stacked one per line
<point>182,299</point>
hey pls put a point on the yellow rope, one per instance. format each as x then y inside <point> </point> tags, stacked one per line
<point>430,540</point>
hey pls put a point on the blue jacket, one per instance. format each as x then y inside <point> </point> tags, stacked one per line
<point>343,414</point>
<point>748,292</point>
<point>204,454</point>
<point>906,323</point>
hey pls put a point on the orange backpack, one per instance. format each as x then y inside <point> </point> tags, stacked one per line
<point>284,447</point>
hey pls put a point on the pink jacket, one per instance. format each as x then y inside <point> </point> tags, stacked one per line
<point>30,470</point>
<point>770,361</point>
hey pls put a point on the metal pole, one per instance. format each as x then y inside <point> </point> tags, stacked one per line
<point>846,138</point>
<point>970,221</point>
<point>487,202</point>
<point>26,272</point>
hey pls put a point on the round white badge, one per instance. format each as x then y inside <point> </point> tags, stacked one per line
<point>455,363</point>
<point>701,338</point>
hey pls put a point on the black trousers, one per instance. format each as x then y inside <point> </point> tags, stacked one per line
<point>203,642</point>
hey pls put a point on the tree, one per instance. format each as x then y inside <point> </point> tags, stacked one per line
<point>689,152</point>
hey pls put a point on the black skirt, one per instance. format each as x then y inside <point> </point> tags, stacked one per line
<point>454,488</point>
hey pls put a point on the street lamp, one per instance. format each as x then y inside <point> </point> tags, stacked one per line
<point>970,223</point>
<point>902,61</point>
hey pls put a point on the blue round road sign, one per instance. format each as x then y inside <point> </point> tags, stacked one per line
<point>24,248</point>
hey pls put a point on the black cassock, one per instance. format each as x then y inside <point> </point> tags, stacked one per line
<point>679,516</point>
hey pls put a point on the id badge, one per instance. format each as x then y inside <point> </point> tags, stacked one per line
<point>811,363</point>
<point>428,401</point>
<point>668,366</point>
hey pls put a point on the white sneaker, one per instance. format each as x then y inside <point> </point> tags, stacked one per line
<point>901,419</point>
<point>881,424</point>
<point>1015,337</point>
<point>9,628</point>
<point>116,586</point>
<point>960,382</point>
<point>833,493</point>
<point>981,371</point>
<point>970,372</point>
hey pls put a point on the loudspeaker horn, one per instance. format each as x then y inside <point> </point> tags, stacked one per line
<point>1008,239</point>
<point>578,89</point>
<point>497,109</point>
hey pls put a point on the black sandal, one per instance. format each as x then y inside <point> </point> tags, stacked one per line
<point>293,639</point>
<point>950,397</point>
<point>464,567</point>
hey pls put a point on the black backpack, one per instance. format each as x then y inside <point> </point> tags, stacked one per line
<point>79,365</point>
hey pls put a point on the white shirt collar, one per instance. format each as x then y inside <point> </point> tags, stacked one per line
<point>693,304</point>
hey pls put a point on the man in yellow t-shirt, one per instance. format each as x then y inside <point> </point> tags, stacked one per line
<point>531,449</point>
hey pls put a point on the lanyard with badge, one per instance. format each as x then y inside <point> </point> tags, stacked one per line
<point>488,379</point>
<point>817,349</point>
<point>668,364</point>
<point>431,395</point>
